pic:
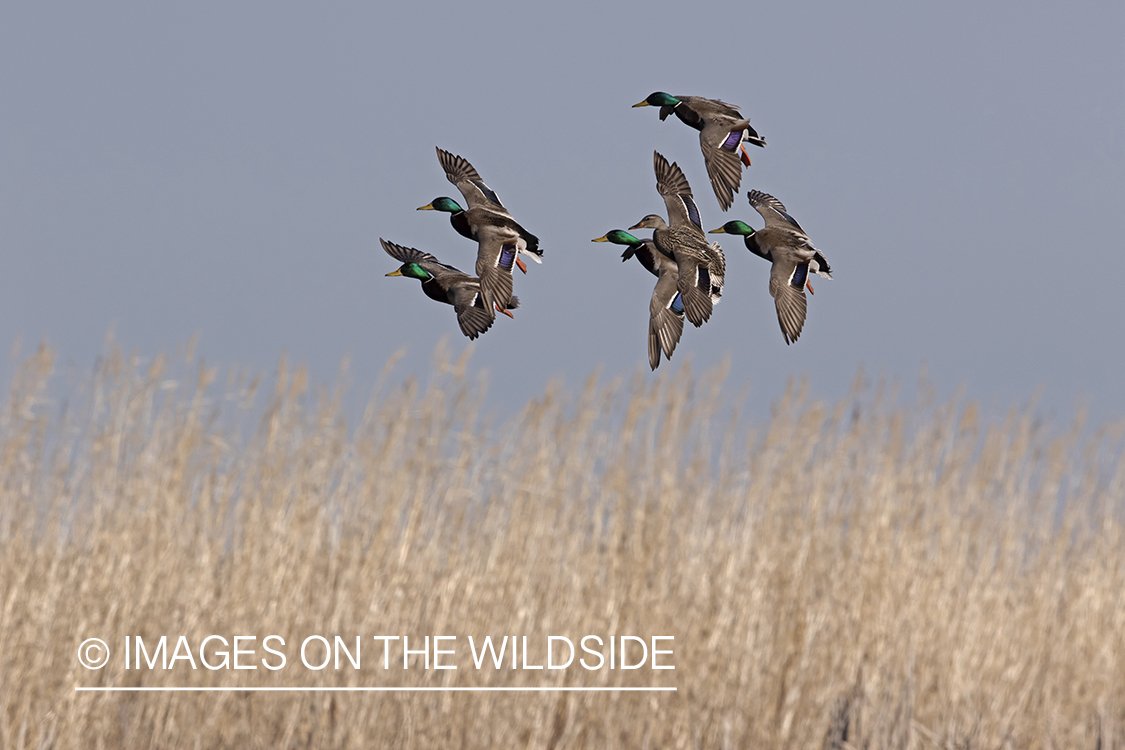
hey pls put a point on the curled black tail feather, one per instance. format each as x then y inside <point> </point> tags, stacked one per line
<point>825,269</point>
<point>532,242</point>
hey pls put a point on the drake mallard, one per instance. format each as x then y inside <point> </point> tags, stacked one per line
<point>786,246</point>
<point>485,208</point>
<point>449,285</point>
<point>722,130</point>
<point>666,309</point>
<point>701,267</point>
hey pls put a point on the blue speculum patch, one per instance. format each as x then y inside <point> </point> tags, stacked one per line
<point>677,305</point>
<point>704,279</point>
<point>488,193</point>
<point>732,141</point>
<point>507,257</point>
<point>789,218</point>
<point>800,276</point>
<point>692,210</point>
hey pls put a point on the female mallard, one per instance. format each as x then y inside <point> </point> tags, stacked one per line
<point>449,285</point>
<point>485,208</point>
<point>701,267</point>
<point>786,246</point>
<point>722,129</point>
<point>666,309</point>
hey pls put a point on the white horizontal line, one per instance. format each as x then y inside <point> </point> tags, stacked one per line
<point>372,689</point>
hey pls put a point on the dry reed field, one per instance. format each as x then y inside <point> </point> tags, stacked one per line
<point>858,575</point>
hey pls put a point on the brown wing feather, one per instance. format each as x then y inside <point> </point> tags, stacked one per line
<point>474,319</point>
<point>789,300</point>
<point>406,254</point>
<point>723,167</point>
<point>697,303</point>
<point>670,178</point>
<point>665,327</point>
<point>702,105</point>
<point>495,255</point>
<point>457,168</point>
<point>653,347</point>
<point>461,173</point>
<point>674,188</point>
<point>774,212</point>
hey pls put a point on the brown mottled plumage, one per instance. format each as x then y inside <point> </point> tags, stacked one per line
<point>701,266</point>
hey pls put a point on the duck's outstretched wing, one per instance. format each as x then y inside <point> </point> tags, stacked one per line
<point>676,192</point>
<point>496,254</point>
<point>406,254</point>
<point>461,173</point>
<point>787,287</point>
<point>472,315</point>
<point>666,318</point>
<point>704,106</point>
<point>773,211</point>
<point>721,143</point>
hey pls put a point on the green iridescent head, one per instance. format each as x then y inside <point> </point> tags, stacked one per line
<point>448,205</point>
<point>658,99</point>
<point>619,237</point>
<point>412,270</point>
<point>734,227</point>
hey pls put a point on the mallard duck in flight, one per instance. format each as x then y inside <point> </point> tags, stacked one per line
<point>786,246</point>
<point>722,131</point>
<point>484,208</point>
<point>449,285</point>
<point>701,267</point>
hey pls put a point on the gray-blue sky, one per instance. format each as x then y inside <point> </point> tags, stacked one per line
<point>227,169</point>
